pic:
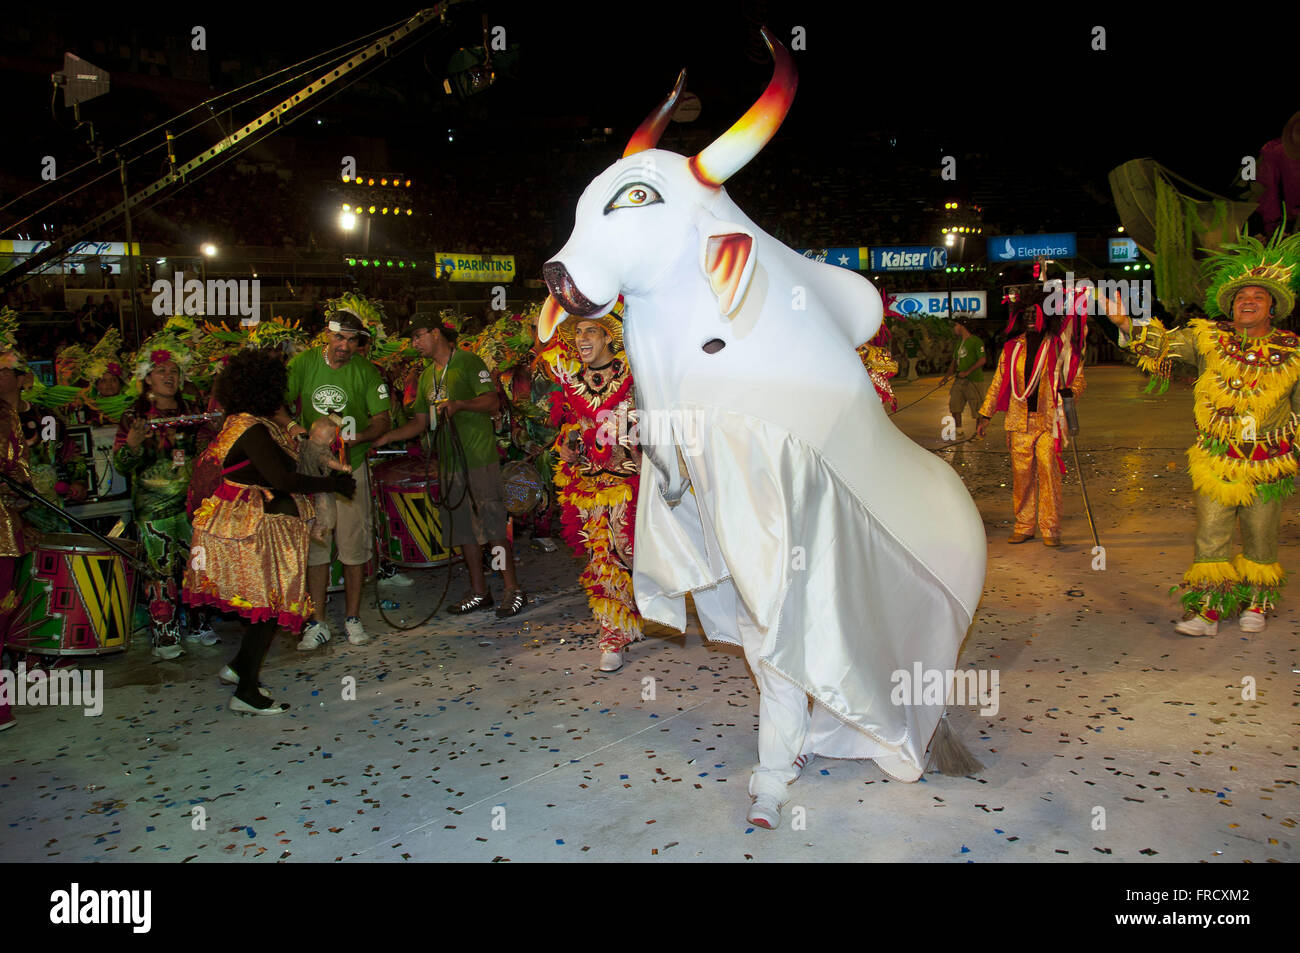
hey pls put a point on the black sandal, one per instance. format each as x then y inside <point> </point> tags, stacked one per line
<point>515,604</point>
<point>471,603</point>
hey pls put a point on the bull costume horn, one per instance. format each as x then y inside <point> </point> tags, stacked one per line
<point>728,154</point>
<point>647,134</point>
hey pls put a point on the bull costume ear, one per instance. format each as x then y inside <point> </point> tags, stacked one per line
<point>727,259</point>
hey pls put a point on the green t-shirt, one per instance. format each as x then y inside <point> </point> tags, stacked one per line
<point>464,378</point>
<point>354,390</point>
<point>969,352</point>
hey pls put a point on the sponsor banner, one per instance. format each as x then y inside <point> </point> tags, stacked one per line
<point>457,266</point>
<point>844,257</point>
<point>1123,250</point>
<point>74,258</point>
<point>1029,247</point>
<point>907,258</point>
<point>934,304</point>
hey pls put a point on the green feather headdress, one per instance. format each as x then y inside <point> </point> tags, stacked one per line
<point>1248,261</point>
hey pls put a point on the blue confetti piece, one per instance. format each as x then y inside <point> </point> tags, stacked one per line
<point>150,830</point>
<point>965,849</point>
<point>1220,794</point>
<point>315,692</point>
<point>703,774</point>
<point>559,840</point>
<point>654,716</point>
<point>824,771</point>
<point>509,734</point>
<point>251,833</point>
<point>996,831</point>
<point>326,754</point>
<point>749,830</point>
<point>622,777</point>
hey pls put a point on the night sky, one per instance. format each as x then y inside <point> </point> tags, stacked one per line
<point>1016,91</point>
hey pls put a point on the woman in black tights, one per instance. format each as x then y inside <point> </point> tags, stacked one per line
<point>249,550</point>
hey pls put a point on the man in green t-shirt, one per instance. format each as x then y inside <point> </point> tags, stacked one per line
<point>335,379</point>
<point>457,393</point>
<point>968,382</point>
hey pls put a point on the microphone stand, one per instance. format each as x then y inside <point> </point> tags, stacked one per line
<point>31,496</point>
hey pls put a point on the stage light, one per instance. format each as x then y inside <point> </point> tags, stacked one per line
<point>372,210</point>
<point>383,181</point>
<point>408,183</point>
<point>161,261</point>
<point>370,182</point>
<point>352,262</point>
<point>1120,229</point>
<point>347,207</point>
<point>408,211</point>
<point>384,210</point>
<point>347,221</point>
<point>209,249</point>
<point>401,264</point>
<point>347,178</point>
<point>389,264</point>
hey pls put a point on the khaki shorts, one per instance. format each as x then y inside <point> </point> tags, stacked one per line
<point>353,529</point>
<point>462,526</point>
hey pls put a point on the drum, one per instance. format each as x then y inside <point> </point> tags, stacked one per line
<point>410,529</point>
<point>73,595</point>
<point>108,483</point>
<point>521,485</point>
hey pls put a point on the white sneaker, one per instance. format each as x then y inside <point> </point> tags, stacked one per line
<point>1197,625</point>
<point>397,579</point>
<point>801,762</point>
<point>314,635</point>
<point>765,812</point>
<point>1252,620</point>
<point>356,632</point>
<point>205,636</point>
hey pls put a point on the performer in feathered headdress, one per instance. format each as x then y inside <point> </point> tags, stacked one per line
<point>158,458</point>
<point>596,478</point>
<point>1247,409</point>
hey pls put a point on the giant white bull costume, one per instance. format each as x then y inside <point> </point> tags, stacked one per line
<point>774,489</point>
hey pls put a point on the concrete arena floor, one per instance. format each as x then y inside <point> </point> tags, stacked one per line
<point>487,741</point>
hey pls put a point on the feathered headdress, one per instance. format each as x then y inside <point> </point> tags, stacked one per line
<point>175,342</point>
<point>1248,261</point>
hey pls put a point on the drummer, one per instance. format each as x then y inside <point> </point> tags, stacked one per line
<point>458,388</point>
<point>13,464</point>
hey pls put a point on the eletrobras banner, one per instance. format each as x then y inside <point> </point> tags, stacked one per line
<point>459,266</point>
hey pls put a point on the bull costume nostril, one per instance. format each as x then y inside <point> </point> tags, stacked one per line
<point>714,346</point>
<point>562,288</point>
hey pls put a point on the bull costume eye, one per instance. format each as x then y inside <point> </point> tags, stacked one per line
<point>636,195</point>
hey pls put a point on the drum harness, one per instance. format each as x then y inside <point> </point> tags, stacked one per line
<point>447,447</point>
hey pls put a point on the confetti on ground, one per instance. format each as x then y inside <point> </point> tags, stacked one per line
<point>1107,723</point>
